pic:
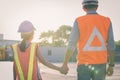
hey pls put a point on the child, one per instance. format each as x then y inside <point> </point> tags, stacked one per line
<point>26,54</point>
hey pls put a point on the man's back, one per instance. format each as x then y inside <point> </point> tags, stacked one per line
<point>93,30</point>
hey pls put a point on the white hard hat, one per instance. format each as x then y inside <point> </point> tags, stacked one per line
<point>90,2</point>
<point>26,26</point>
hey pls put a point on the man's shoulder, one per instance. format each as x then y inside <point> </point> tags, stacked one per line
<point>81,17</point>
<point>106,17</point>
<point>84,17</point>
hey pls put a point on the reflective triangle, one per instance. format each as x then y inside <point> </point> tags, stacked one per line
<point>95,48</point>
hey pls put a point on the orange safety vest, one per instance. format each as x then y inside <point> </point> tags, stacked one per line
<point>93,37</point>
<point>25,62</point>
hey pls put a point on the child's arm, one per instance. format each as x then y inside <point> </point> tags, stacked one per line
<point>46,63</point>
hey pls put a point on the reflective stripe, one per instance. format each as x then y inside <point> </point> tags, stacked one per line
<point>31,62</point>
<point>20,72</point>
<point>30,70</point>
<point>92,36</point>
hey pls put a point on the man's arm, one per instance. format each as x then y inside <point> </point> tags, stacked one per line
<point>110,48</point>
<point>71,46</point>
<point>111,45</point>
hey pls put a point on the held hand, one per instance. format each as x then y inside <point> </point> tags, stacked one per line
<point>64,69</point>
<point>110,71</point>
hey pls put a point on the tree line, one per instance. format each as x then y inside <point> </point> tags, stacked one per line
<point>58,38</point>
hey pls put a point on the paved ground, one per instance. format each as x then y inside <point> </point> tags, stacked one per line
<point>49,74</point>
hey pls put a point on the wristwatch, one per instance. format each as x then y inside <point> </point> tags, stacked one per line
<point>111,65</point>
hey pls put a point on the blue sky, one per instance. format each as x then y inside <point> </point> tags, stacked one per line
<point>50,14</point>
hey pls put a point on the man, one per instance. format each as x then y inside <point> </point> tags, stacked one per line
<point>93,35</point>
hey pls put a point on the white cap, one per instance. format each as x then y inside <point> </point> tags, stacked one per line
<point>90,2</point>
<point>26,26</point>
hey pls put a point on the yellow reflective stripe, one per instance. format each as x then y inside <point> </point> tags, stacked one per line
<point>20,72</point>
<point>31,61</point>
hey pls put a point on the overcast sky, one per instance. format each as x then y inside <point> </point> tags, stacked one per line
<point>50,14</point>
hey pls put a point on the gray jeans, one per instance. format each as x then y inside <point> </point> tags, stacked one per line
<point>91,72</point>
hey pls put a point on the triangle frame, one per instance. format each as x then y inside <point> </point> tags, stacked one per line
<point>92,36</point>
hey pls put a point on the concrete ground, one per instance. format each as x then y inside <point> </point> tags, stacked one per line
<point>49,74</point>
